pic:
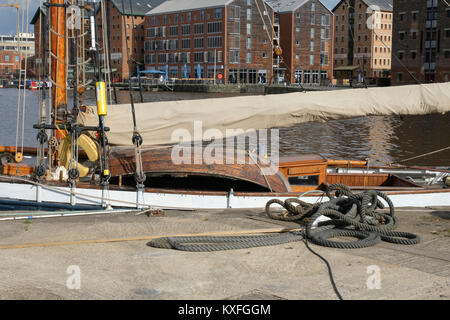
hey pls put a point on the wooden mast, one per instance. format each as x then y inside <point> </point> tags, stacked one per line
<point>58,47</point>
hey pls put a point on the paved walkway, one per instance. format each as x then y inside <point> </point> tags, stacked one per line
<point>132,270</point>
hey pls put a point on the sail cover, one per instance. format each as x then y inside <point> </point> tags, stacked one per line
<point>158,121</point>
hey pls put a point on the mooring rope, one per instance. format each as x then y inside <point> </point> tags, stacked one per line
<point>425,154</point>
<point>351,215</point>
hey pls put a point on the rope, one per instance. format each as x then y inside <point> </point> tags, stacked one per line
<point>426,154</point>
<point>80,195</point>
<point>107,62</point>
<point>19,100</point>
<point>352,215</point>
<point>261,170</point>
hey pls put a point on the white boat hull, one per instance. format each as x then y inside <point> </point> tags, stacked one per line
<point>133,199</point>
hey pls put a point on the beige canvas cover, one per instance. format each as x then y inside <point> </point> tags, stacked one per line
<point>157,121</point>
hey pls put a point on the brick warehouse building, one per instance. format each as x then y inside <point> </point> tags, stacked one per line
<point>119,33</point>
<point>306,29</point>
<point>421,41</point>
<point>9,63</point>
<point>39,21</point>
<point>363,38</point>
<point>232,39</point>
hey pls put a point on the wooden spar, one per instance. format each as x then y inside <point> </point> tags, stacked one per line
<point>349,163</point>
<point>58,47</point>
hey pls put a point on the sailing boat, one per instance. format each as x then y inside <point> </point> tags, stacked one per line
<point>99,157</point>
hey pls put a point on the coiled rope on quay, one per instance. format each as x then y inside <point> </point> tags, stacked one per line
<point>351,215</point>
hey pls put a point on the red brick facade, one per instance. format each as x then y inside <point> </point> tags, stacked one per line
<point>133,30</point>
<point>9,63</point>
<point>235,38</point>
<point>421,42</point>
<point>362,39</point>
<point>306,35</point>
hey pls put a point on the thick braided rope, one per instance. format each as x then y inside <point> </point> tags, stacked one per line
<point>352,215</point>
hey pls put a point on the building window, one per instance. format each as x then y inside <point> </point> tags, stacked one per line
<point>313,18</point>
<point>312,33</point>
<point>199,28</point>
<point>186,29</point>
<point>249,14</point>
<point>198,43</point>
<point>249,28</point>
<point>324,59</point>
<point>173,44</point>
<point>249,43</point>
<point>162,58</point>
<point>313,6</point>
<point>6,57</point>
<point>234,56</point>
<point>150,33</point>
<point>173,30</point>
<point>214,27</point>
<point>311,59</point>
<point>312,45</point>
<point>199,57</point>
<point>214,42</point>
<point>161,32</point>
<point>264,54</point>
<point>149,59</point>
<point>249,57</point>
<point>185,43</point>
<point>218,13</point>
<point>297,29</point>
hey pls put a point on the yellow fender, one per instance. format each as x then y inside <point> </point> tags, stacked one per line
<point>88,146</point>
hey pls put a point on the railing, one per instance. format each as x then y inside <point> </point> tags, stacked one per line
<point>169,83</point>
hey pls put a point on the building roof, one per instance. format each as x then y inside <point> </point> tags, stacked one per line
<point>138,7</point>
<point>286,5</point>
<point>281,6</point>
<point>184,5</point>
<point>44,10</point>
<point>384,5</point>
<point>37,14</point>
